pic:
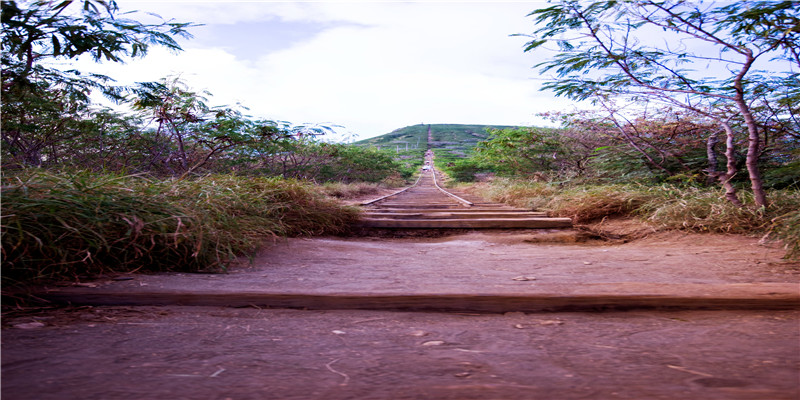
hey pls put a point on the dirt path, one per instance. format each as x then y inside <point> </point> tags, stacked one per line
<point>485,262</point>
<point>224,353</point>
<point>250,353</point>
<point>473,261</point>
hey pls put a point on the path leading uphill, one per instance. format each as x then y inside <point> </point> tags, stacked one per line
<point>486,314</point>
<point>427,205</point>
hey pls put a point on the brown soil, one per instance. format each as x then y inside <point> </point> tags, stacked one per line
<point>227,353</point>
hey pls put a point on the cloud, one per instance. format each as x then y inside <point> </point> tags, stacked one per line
<point>372,67</point>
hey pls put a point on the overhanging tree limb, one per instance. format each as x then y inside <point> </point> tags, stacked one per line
<point>612,62</point>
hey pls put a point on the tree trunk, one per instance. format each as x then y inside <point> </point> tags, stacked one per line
<point>730,154</point>
<point>711,152</point>
<point>754,141</point>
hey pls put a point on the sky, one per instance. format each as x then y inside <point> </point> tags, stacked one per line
<point>369,67</point>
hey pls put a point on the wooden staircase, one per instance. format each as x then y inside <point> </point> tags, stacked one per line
<point>426,205</point>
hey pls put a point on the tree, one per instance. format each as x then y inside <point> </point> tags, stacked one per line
<point>46,30</point>
<point>189,133</point>
<point>41,102</point>
<point>707,58</point>
<point>532,151</point>
<point>655,143</point>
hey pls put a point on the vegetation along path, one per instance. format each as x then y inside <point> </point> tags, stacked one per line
<point>490,313</point>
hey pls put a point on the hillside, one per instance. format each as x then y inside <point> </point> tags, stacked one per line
<point>456,139</point>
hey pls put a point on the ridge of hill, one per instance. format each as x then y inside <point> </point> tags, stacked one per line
<point>456,139</point>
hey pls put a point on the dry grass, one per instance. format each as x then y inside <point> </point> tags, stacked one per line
<point>346,191</point>
<point>66,226</point>
<point>665,207</point>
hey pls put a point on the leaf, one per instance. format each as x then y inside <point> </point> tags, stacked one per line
<point>56,46</point>
<point>534,44</point>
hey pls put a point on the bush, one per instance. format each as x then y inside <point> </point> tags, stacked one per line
<point>464,170</point>
<point>349,190</point>
<point>590,203</point>
<point>786,227</point>
<point>65,226</point>
<point>666,206</point>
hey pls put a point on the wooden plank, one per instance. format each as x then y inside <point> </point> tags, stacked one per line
<point>453,210</point>
<point>483,223</point>
<point>454,215</point>
<point>437,302</point>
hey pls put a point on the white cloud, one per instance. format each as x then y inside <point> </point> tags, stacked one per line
<point>370,67</point>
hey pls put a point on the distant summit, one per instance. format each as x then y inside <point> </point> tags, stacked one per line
<point>457,139</point>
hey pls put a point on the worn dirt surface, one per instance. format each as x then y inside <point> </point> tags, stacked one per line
<point>481,262</point>
<point>477,260</point>
<point>225,353</point>
<point>114,352</point>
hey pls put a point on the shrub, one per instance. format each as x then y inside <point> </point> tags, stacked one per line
<point>666,206</point>
<point>786,227</point>
<point>62,226</point>
<point>590,203</point>
<point>349,190</point>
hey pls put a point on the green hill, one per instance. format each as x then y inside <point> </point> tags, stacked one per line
<point>449,141</point>
<point>456,139</point>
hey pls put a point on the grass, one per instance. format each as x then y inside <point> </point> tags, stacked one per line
<point>350,190</point>
<point>65,226</point>
<point>665,207</point>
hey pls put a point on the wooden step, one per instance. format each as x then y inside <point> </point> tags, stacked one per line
<point>453,205</point>
<point>476,223</point>
<point>453,210</point>
<point>454,215</point>
<point>427,206</point>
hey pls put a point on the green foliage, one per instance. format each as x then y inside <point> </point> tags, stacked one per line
<point>465,169</point>
<point>451,141</point>
<point>54,30</point>
<point>190,138</point>
<point>519,151</point>
<point>357,164</point>
<point>46,110</point>
<point>190,134</point>
<point>602,55</point>
<point>658,145</point>
<point>70,225</point>
<point>786,176</point>
<point>318,161</point>
<point>460,138</point>
<point>533,151</point>
<point>602,37</point>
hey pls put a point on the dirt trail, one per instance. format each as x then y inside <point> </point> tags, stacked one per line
<point>175,352</point>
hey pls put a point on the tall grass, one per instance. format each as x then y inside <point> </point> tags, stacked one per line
<point>341,190</point>
<point>787,228</point>
<point>63,226</point>
<point>665,207</point>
